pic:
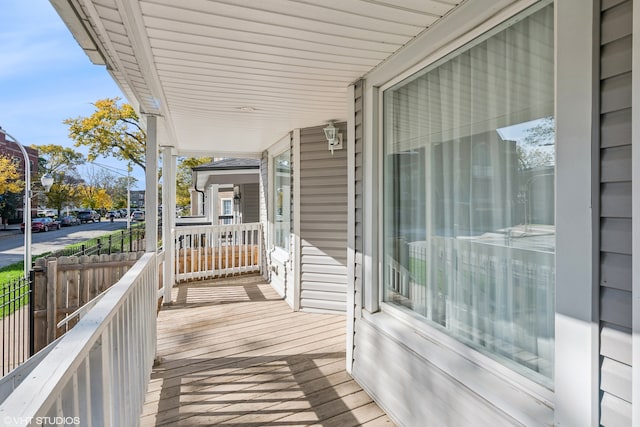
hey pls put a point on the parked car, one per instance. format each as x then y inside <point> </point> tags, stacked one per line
<point>137,216</point>
<point>69,220</point>
<point>42,224</point>
<point>90,215</point>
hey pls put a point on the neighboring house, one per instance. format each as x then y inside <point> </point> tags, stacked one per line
<point>10,149</point>
<point>137,199</point>
<point>476,227</point>
<point>229,187</point>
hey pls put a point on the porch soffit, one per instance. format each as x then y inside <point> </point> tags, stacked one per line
<point>202,64</point>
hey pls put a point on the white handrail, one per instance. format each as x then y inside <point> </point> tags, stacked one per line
<point>81,311</point>
<point>206,251</point>
<point>97,374</point>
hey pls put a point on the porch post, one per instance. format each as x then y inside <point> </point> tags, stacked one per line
<point>168,220</point>
<point>151,193</point>
<point>195,202</point>
<point>212,204</point>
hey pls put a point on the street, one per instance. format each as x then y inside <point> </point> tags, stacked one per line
<point>12,244</point>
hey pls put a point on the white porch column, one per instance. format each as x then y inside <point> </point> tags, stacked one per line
<point>195,202</point>
<point>211,206</point>
<point>151,193</point>
<point>169,160</point>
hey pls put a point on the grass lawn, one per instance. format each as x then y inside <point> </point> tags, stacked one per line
<point>13,293</point>
<point>11,272</point>
<point>14,296</point>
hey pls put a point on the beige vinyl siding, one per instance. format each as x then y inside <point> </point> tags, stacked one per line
<point>615,213</point>
<point>323,223</point>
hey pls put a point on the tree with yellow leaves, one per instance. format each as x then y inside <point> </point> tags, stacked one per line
<point>9,176</point>
<point>10,185</point>
<point>184,177</point>
<point>112,130</point>
<point>94,198</point>
<point>61,163</point>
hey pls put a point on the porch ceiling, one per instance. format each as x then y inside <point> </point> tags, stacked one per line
<point>231,77</point>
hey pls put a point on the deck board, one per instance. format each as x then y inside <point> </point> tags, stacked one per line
<point>233,353</point>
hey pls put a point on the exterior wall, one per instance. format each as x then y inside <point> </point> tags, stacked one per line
<point>417,374</point>
<point>615,213</point>
<point>250,202</point>
<point>323,222</point>
<point>358,195</point>
<point>10,149</point>
<point>137,199</point>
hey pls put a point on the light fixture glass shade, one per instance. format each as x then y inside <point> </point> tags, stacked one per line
<point>331,133</point>
<point>47,181</point>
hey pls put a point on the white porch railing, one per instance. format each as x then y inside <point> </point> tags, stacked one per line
<point>207,251</point>
<point>96,374</point>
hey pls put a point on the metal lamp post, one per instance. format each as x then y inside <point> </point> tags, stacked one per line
<point>47,182</point>
<point>26,215</point>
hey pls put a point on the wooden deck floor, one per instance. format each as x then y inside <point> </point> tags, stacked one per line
<point>233,353</point>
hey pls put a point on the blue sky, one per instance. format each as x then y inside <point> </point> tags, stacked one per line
<point>45,78</point>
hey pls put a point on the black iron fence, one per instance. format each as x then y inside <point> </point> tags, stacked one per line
<point>16,322</point>
<point>131,240</point>
<point>16,309</point>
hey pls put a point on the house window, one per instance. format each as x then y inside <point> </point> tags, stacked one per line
<point>469,168</point>
<point>226,210</point>
<point>282,198</point>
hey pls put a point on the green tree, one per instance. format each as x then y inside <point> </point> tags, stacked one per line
<point>112,130</point>
<point>184,179</point>
<point>61,163</point>
<point>118,191</point>
<point>65,193</point>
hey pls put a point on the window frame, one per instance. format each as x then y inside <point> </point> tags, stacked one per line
<point>276,150</point>
<point>222,201</point>
<point>479,373</point>
<point>407,315</point>
<point>404,314</point>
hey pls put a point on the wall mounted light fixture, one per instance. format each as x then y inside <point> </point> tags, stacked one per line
<point>334,138</point>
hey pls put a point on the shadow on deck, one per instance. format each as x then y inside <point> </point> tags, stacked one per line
<point>233,353</point>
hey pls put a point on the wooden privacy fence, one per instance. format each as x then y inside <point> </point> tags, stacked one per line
<point>64,285</point>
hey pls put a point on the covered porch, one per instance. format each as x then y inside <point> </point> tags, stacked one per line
<point>233,353</point>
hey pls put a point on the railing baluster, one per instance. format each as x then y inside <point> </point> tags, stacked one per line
<point>216,250</point>
<point>98,359</point>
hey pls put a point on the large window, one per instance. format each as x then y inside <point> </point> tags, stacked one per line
<point>282,197</point>
<point>469,227</point>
